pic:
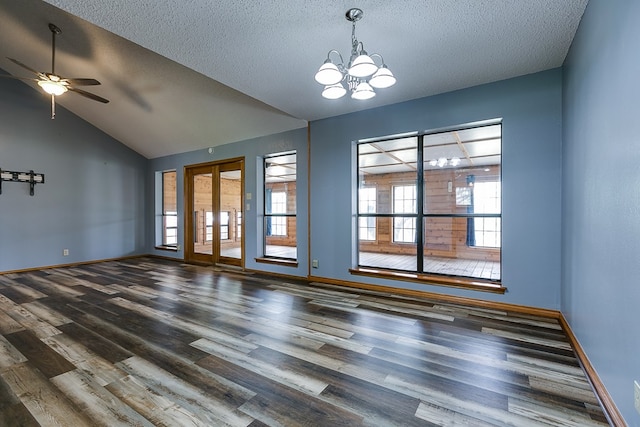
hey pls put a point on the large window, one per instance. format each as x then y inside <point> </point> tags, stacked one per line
<point>280,240</point>
<point>437,203</point>
<point>166,210</point>
<point>487,200</point>
<point>208,226</point>
<point>278,206</point>
<point>224,225</point>
<point>404,201</point>
<point>367,204</point>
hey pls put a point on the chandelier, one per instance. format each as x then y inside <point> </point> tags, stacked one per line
<point>361,75</point>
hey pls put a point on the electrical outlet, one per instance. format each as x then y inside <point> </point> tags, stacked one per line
<point>636,395</point>
<point>65,252</point>
<point>314,263</point>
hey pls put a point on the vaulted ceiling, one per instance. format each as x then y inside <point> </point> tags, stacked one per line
<point>187,75</point>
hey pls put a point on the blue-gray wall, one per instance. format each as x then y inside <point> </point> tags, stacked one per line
<point>601,192</point>
<point>92,201</point>
<point>531,110</point>
<point>252,151</point>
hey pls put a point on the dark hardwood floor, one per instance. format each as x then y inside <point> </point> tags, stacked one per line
<point>151,342</point>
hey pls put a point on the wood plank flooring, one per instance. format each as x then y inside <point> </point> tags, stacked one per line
<point>148,342</point>
<point>480,269</point>
<point>488,270</point>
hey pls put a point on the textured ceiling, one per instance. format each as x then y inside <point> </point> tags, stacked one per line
<point>190,74</point>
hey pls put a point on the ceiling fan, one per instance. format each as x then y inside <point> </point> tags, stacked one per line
<point>54,84</point>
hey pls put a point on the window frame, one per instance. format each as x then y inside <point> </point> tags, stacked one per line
<point>422,214</point>
<point>279,220</point>
<point>167,217</point>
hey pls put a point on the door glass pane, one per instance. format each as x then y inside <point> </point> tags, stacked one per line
<point>230,214</point>
<point>202,214</point>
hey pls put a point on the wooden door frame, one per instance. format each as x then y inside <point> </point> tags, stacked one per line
<point>214,168</point>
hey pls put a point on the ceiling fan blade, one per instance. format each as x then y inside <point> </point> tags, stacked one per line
<point>88,95</point>
<point>82,82</point>
<point>28,79</point>
<point>26,67</point>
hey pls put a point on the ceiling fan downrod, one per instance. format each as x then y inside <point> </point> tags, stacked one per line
<point>54,31</point>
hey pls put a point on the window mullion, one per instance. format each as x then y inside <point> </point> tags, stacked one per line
<point>420,205</point>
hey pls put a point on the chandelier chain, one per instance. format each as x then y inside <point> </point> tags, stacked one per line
<point>354,40</point>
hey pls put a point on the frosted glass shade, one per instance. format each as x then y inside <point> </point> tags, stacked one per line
<point>52,88</point>
<point>383,78</point>
<point>328,74</point>
<point>363,91</point>
<point>334,91</point>
<point>363,66</point>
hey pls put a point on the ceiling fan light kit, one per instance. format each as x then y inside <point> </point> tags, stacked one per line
<point>56,85</point>
<point>361,75</point>
<point>52,87</point>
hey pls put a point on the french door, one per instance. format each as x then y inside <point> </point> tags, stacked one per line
<point>214,223</point>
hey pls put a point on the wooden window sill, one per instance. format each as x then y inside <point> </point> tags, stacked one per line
<point>278,261</point>
<point>167,248</point>
<point>433,279</point>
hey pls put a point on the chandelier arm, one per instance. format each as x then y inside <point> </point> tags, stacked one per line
<point>379,56</point>
<point>341,64</point>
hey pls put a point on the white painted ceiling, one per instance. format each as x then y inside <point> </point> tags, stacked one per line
<point>192,74</point>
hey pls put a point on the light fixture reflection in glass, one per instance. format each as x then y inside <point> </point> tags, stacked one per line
<point>443,161</point>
